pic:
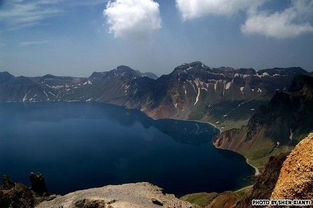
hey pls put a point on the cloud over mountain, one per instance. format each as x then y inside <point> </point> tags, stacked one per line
<point>132,18</point>
<point>288,23</point>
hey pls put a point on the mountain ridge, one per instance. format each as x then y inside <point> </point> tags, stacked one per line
<point>225,96</point>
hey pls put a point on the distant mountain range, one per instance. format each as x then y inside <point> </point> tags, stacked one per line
<point>225,96</point>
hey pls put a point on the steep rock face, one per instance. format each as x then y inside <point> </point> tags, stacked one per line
<point>276,127</point>
<point>135,195</point>
<point>224,96</point>
<point>296,176</point>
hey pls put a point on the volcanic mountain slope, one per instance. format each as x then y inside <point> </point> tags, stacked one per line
<point>276,127</point>
<point>35,89</point>
<point>224,96</point>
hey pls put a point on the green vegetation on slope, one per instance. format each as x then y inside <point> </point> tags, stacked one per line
<point>228,114</point>
<point>201,199</point>
<point>204,199</point>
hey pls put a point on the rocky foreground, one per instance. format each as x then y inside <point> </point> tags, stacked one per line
<point>296,176</point>
<point>133,195</point>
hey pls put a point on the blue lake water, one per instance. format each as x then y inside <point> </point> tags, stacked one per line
<point>78,146</point>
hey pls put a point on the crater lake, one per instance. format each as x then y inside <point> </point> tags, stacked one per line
<point>83,145</point>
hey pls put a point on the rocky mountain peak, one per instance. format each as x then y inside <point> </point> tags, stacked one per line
<point>49,76</point>
<point>190,69</point>
<point>122,71</point>
<point>125,69</point>
<point>5,76</point>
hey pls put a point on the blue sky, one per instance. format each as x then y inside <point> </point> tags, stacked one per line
<point>77,37</point>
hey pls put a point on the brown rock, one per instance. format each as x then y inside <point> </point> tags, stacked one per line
<point>88,203</point>
<point>296,177</point>
<point>157,202</point>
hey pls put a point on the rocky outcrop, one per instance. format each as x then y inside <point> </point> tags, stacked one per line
<point>38,183</point>
<point>133,195</point>
<point>17,195</point>
<point>296,176</point>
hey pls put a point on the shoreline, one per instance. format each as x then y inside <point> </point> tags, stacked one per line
<point>257,171</point>
<point>197,121</point>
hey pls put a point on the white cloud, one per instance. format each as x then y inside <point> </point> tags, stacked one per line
<point>132,18</point>
<point>18,14</point>
<point>288,23</point>
<point>191,9</point>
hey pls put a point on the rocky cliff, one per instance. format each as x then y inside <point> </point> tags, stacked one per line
<point>295,180</point>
